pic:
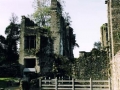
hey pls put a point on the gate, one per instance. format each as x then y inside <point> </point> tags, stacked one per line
<point>73,84</point>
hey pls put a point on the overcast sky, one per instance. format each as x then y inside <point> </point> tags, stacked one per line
<point>87,16</point>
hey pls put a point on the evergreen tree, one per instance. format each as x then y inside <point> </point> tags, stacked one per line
<point>8,44</point>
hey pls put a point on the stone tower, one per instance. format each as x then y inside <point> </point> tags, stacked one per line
<point>29,45</point>
<point>56,27</point>
<point>114,25</point>
<point>114,39</point>
<point>104,36</point>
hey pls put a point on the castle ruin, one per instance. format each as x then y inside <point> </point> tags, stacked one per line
<point>34,41</point>
<point>113,7</point>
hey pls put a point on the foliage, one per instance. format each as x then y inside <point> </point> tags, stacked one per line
<point>94,65</point>
<point>57,65</point>
<point>73,40</point>
<point>42,17</point>
<point>61,66</point>
<point>8,44</point>
<point>9,70</point>
<point>67,17</point>
<point>2,48</point>
<point>42,13</point>
<point>4,82</point>
<point>97,45</point>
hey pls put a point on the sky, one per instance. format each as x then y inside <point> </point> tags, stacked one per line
<point>87,17</point>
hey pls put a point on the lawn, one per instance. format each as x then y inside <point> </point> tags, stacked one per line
<point>3,81</point>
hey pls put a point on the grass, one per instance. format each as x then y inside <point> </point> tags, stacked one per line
<point>3,81</point>
<point>6,79</point>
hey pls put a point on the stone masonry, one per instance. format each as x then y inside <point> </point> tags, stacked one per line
<point>29,52</point>
<point>114,39</point>
<point>36,46</point>
<point>104,35</point>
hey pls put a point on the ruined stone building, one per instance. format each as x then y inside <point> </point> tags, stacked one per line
<point>105,44</point>
<point>61,32</point>
<point>104,36</point>
<point>113,11</point>
<point>113,25</point>
<point>37,44</point>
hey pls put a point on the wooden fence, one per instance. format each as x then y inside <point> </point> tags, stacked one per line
<point>74,84</point>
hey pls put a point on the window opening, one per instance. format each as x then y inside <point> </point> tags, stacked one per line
<point>30,42</point>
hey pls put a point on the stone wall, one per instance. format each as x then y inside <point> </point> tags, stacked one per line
<point>28,28</point>
<point>114,39</point>
<point>114,21</point>
<point>115,67</point>
<point>104,35</point>
<point>56,27</point>
<point>62,33</point>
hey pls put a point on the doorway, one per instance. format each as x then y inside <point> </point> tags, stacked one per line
<point>30,63</point>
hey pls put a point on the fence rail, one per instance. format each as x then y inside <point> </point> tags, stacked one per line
<point>73,84</point>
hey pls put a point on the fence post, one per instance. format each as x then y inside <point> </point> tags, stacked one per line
<point>45,80</point>
<point>62,79</point>
<point>40,84</point>
<point>49,80</point>
<point>69,79</point>
<point>109,82</point>
<point>90,84</point>
<point>56,81</point>
<point>59,79</point>
<point>73,84</point>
